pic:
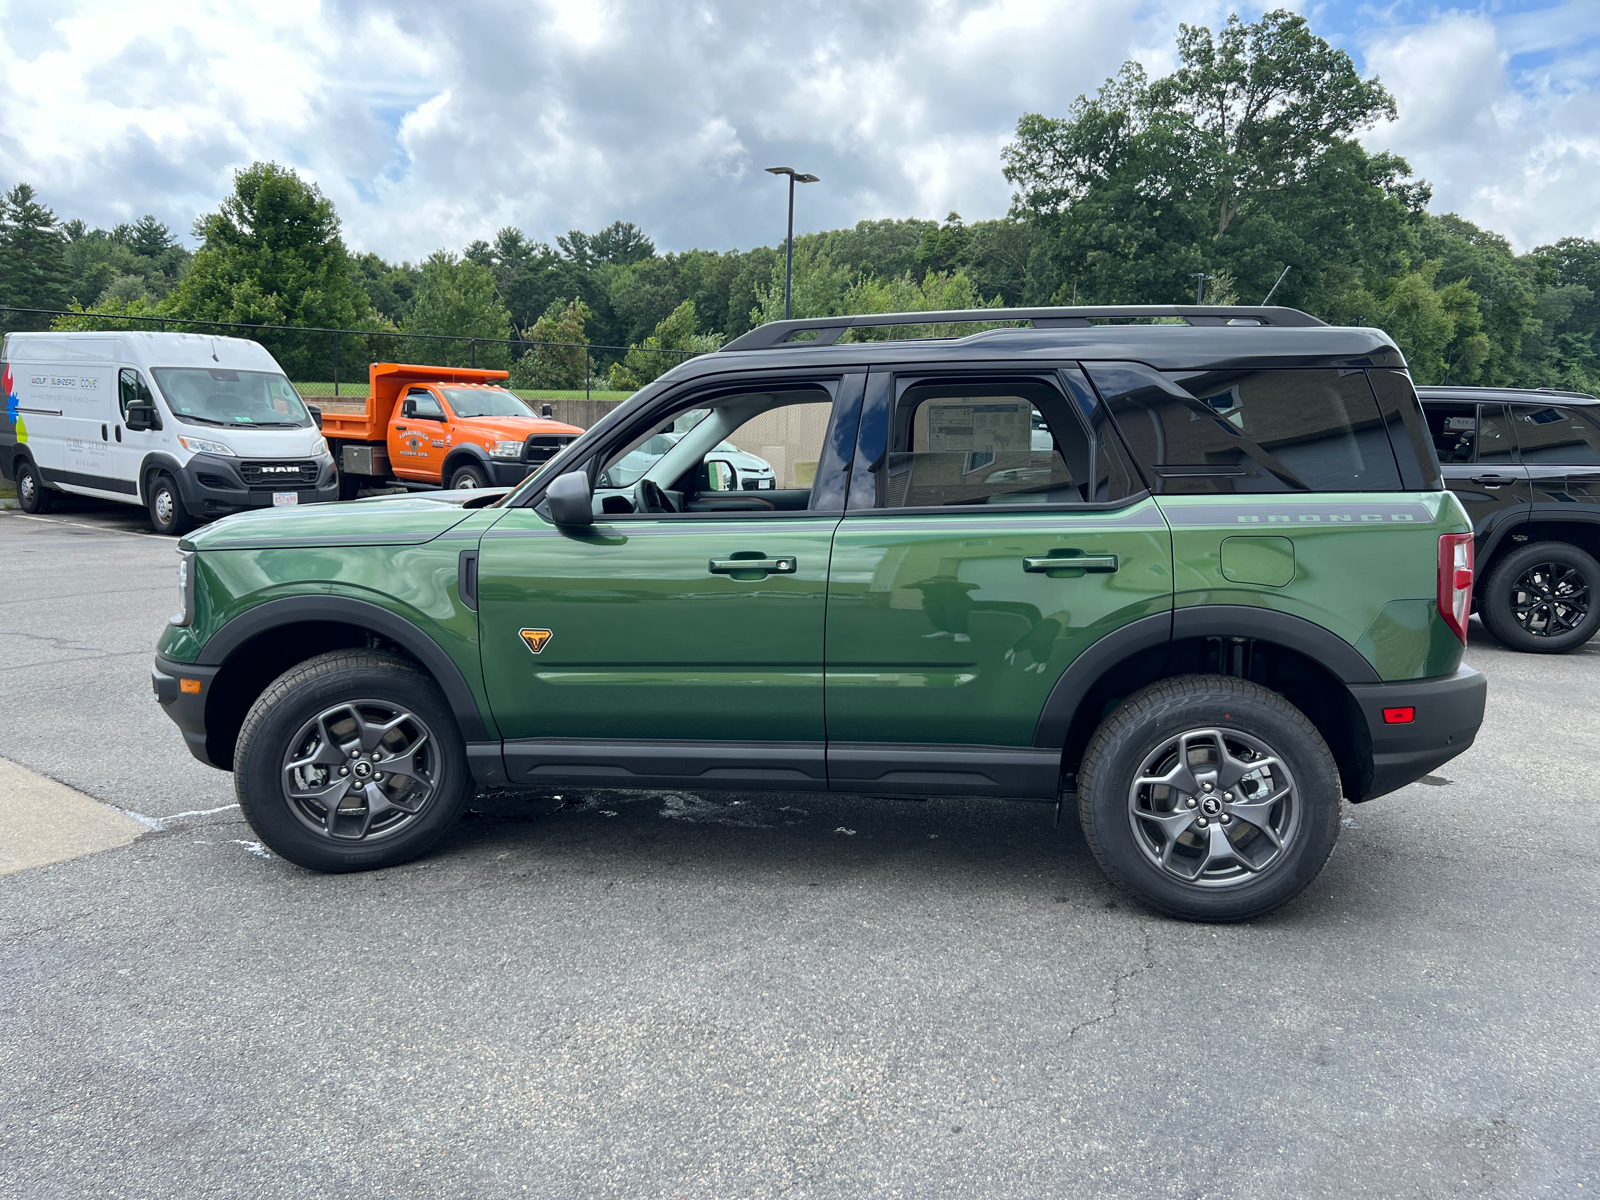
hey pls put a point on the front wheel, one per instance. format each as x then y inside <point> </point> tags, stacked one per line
<point>32,494</point>
<point>349,761</point>
<point>167,513</point>
<point>1209,798</point>
<point>468,479</point>
<point>1542,598</point>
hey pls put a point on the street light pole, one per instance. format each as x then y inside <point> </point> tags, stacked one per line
<point>788,242</point>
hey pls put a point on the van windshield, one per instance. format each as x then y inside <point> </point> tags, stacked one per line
<point>215,396</point>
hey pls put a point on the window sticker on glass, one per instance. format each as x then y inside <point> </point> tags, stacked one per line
<point>999,428</point>
<point>1466,423</point>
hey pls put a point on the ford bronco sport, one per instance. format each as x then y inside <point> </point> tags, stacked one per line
<point>1197,573</point>
<point>1526,466</point>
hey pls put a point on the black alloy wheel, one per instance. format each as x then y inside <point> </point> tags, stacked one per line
<point>1541,598</point>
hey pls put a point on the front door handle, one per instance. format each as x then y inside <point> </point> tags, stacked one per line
<point>1099,564</point>
<point>399,428</point>
<point>1493,480</point>
<point>768,566</point>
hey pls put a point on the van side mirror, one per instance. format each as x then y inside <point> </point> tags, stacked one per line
<point>316,414</point>
<point>570,499</point>
<point>142,417</point>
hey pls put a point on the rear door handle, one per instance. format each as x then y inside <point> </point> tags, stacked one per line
<point>1493,480</point>
<point>1099,564</point>
<point>773,566</point>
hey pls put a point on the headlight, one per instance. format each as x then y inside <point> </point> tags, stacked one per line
<point>320,449</point>
<point>185,613</point>
<point>506,450</point>
<point>202,446</point>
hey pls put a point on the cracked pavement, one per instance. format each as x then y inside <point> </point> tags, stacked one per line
<point>672,994</point>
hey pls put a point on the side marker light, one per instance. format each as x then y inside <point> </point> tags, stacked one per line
<point>1399,716</point>
<point>189,687</point>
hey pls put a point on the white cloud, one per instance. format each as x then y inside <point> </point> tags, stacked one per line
<point>433,124</point>
<point>1511,143</point>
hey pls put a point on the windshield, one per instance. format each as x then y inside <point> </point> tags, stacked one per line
<point>213,396</point>
<point>485,402</point>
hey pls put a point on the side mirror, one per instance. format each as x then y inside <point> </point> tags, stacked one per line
<point>142,417</point>
<point>547,411</point>
<point>720,476</point>
<point>570,499</point>
<point>316,414</point>
<point>408,407</point>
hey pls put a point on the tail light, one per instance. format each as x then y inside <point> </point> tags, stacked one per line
<point>1455,581</point>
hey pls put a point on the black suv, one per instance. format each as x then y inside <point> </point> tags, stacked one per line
<point>1526,465</point>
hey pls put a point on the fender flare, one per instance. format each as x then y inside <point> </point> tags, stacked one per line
<point>467,450</point>
<point>1338,656</point>
<point>158,459</point>
<point>14,454</point>
<point>295,610</point>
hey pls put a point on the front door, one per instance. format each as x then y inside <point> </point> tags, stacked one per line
<point>1560,447</point>
<point>989,540</point>
<point>417,436</point>
<point>680,639</point>
<point>129,446</point>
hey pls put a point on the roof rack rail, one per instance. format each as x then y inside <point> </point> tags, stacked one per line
<point>829,329</point>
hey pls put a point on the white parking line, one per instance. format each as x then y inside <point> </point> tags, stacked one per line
<point>80,525</point>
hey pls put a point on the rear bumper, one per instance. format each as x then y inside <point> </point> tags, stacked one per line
<point>1448,712</point>
<point>187,709</point>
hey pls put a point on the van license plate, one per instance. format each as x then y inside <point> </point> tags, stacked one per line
<point>279,499</point>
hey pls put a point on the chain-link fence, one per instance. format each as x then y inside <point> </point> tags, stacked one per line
<point>331,364</point>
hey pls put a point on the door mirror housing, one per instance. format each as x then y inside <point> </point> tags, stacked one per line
<point>408,407</point>
<point>142,417</point>
<point>720,476</point>
<point>571,500</point>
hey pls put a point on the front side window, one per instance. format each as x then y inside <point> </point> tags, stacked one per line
<point>214,396</point>
<point>1551,434</point>
<point>425,405</point>
<point>1251,431</point>
<point>131,389</point>
<point>485,402</point>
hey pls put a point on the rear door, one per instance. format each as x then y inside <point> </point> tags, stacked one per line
<point>1478,459</point>
<point>992,535</point>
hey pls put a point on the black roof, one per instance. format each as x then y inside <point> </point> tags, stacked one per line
<point>1470,392</point>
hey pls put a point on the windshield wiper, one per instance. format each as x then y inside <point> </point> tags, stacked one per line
<point>202,420</point>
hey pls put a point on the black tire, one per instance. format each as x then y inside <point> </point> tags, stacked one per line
<point>1250,719</point>
<point>33,495</point>
<point>299,702</point>
<point>1543,598</point>
<point>350,485</point>
<point>469,477</point>
<point>167,513</point>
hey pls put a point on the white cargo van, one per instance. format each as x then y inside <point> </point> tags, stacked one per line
<point>187,425</point>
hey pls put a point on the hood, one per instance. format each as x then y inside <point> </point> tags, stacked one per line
<point>401,520</point>
<point>494,429</point>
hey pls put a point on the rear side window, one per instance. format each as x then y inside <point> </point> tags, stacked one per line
<point>1551,434</point>
<point>1251,431</point>
<point>1470,433</point>
<point>968,442</point>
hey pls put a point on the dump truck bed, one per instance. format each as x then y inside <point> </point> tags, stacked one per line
<point>343,421</point>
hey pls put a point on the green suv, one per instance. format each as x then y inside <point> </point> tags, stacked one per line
<point>1193,569</point>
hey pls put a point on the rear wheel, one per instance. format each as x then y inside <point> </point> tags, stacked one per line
<point>349,761</point>
<point>32,494</point>
<point>1209,798</point>
<point>468,478</point>
<point>167,513</point>
<point>1542,598</point>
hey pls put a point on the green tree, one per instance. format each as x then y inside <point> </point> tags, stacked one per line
<point>456,297</point>
<point>674,341</point>
<point>33,265</point>
<point>562,363</point>
<point>272,255</point>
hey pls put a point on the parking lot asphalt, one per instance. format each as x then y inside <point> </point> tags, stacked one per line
<point>666,994</point>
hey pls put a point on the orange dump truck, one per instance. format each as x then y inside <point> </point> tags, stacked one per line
<point>449,426</point>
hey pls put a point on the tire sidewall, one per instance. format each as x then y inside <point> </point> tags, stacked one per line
<point>475,472</point>
<point>1121,746</point>
<point>41,500</point>
<point>175,526</point>
<point>1496,607</point>
<point>259,760</point>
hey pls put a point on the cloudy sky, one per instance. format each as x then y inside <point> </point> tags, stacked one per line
<point>432,124</point>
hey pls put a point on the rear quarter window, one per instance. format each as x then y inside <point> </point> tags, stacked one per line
<point>1252,431</point>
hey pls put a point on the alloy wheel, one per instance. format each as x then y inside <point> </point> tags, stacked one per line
<point>361,771</point>
<point>1550,599</point>
<point>1214,807</point>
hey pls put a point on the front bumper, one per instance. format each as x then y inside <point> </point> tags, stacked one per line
<point>505,472</point>
<point>186,708</point>
<point>211,487</point>
<point>1448,712</point>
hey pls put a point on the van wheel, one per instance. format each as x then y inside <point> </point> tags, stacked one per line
<point>1209,798</point>
<point>468,479</point>
<point>1543,598</point>
<point>167,513</point>
<point>351,760</point>
<point>32,494</point>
